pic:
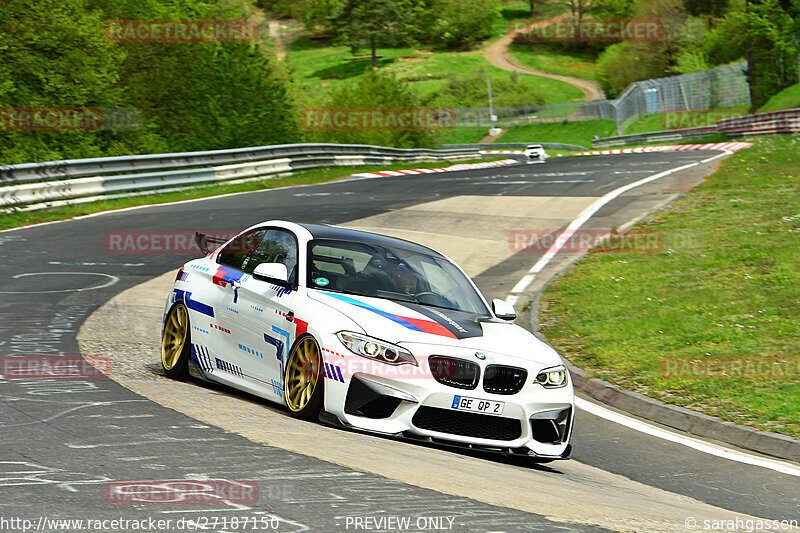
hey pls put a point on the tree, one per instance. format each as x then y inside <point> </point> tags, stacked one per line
<point>771,49</point>
<point>54,56</point>
<point>374,91</point>
<point>463,23</point>
<point>366,21</point>
<point>613,9</point>
<point>580,7</point>
<point>714,8</point>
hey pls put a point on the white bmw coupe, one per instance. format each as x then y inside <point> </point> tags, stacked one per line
<point>371,332</point>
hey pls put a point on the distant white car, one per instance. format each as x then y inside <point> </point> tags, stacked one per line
<point>535,152</point>
<point>371,332</point>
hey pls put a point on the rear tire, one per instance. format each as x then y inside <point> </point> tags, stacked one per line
<point>176,343</point>
<point>303,381</point>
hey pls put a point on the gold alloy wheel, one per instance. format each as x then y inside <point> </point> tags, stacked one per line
<point>302,374</point>
<point>173,341</point>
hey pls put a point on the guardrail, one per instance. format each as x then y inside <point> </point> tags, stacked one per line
<point>514,146</point>
<point>783,121</point>
<point>51,181</point>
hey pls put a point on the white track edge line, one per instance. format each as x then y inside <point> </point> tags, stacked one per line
<point>585,215</point>
<point>626,421</point>
<point>696,444</point>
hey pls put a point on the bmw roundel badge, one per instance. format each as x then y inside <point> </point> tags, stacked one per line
<point>480,356</point>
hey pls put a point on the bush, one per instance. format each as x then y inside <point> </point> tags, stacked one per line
<point>470,90</point>
<point>374,90</point>
<point>191,97</point>
<point>463,23</point>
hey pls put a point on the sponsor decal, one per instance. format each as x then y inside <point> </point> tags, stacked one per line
<point>333,372</point>
<point>281,353</point>
<point>276,342</point>
<point>224,276</point>
<point>194,305</point>
<point>201,358</point>
<point>439,323</point>
<point>277,387</point>
<point>220,328</point>
<point>281,291</point>
<point>250,351</point>
<point>228,367</point>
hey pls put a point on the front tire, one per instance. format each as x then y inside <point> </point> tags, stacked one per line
<point>175,343</point>
<point>303,381</point>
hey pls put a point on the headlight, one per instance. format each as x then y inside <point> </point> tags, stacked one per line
<point>375,349</point>
<point>552,378</point>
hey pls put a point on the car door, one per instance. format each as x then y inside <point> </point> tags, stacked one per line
<point>223,363</point>
<point>266,312</point>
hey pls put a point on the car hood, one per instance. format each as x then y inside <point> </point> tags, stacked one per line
<point>407,323</point>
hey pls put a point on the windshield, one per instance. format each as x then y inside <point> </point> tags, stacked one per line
<point>392,273</point>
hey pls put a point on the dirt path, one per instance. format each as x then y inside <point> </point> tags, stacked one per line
<point>497,54</point>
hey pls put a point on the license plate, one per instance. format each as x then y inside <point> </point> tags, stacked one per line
<point>476,405</point>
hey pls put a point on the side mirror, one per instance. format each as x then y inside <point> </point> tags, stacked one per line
<point>503,310</point>
<point>273,273</point>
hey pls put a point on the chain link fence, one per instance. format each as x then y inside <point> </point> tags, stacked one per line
<point>507,117</point>
<point>724,86</point>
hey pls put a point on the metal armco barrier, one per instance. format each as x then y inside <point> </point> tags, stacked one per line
<point>34,183</point>
<point>513,146</point>
<point>782,121</point>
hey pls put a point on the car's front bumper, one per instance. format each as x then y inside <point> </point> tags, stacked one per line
<point>535,421</point>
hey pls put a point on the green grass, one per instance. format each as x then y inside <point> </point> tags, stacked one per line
<point>320,67</point>
<point>579,133</point>
<point>308,177</point>
<point>788,98</point>
<point>464,135</point>
<point>682,119</point>
<point>725,285</point>
<point>555,58</point>
<point>510,12</point>
<point>520,12</point>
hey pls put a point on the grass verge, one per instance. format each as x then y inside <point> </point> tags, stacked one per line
<point>471,135</point>
<point>579,133</point>
<point>556,59</point>
<point>726,285</point>
<point>683,119</point>
<point>308,177</point>
<point>319,67</point>
<point>789,98</point>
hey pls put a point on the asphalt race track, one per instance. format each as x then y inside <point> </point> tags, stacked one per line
<point>64,440</point>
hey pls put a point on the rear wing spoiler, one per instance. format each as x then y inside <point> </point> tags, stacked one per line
<point>208,243</point>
